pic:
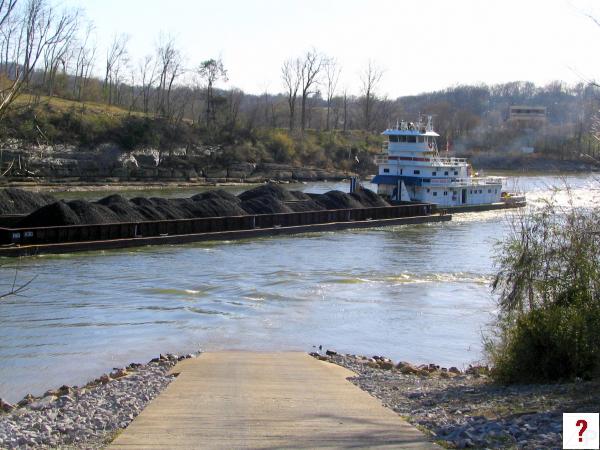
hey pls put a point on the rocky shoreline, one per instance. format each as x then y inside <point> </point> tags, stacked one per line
<point>462,409</point>
<point>456,408</point>
<point>88,416</point>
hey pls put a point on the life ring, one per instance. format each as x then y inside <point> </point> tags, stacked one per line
<point>430,145</point>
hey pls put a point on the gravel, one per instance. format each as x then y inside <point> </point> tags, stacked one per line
<point>85,417</point>
<point>462,409</point>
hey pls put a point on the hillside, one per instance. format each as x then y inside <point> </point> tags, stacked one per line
<point>59,138</point>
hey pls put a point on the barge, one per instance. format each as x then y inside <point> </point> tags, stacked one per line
<point>77,238</point>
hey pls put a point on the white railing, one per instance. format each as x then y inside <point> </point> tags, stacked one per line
<point>381,158</point>
<point>475,181</point>
<point>447,161</point>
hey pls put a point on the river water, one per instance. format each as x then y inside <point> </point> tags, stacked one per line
<point>419,293</point>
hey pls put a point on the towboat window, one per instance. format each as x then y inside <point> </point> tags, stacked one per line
<point>401,138</point>
<point>455,172</point>
<point>417,172</point>
<point>411,139</point>
<point>433,174</point>
<point>393,138</point>
<point>386,170</point>
<point>489,191</point>
<point>445,192</point>
<point>428,190</point>
<point>445,173</point>
<point>400,171</point>
<point>426,180</point>
<point>434,194</point>
<point>420,139</point>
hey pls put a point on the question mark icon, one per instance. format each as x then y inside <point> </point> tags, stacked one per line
<point>583,424</point>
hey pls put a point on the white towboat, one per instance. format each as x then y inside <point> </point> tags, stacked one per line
<point>412,169</point>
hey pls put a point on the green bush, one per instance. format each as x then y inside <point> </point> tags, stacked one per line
<point>549,297</point>
<point>551,344</point>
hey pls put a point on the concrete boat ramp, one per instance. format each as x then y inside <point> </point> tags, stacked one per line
<point>242,400</point>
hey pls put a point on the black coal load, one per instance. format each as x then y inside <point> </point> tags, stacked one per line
<point>272,198</point>
<point>146,208</point>
<point>369,199</point>
<point>18,201</point>
<point>93,213</point>
<point>336,200</point>
<point>218,195</point>
<point>265,199</point>
<point>265,205</point>
<point>123,208</point>
<point>52,215</point>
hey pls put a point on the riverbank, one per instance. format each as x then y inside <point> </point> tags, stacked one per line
<point>462,409</point>
<point>87,416</point>
<point>457,408</point>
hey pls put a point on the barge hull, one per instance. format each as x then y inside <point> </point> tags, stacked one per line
<point>82,246</point>
<point>478,208</point>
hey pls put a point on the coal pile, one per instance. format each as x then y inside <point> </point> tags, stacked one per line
<point>89,212</point>
<point>272,198</point>
<point>369,199</point>
<point>266,199</point>
<point>336,200</point>
<point>18,201</point>
<point>54,214</point>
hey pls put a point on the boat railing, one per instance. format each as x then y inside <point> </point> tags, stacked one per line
<point>381,158</point>
<point>448,160</point>
<point>471,181</point>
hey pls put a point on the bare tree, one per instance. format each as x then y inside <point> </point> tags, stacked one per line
<point>211,71</point>
<point>84,62</point>
<point>147,71</point>
<point>60,52</point>
<point>370,79</point>
<point>310,69</point>
<point>290,72</point>
<point>6,9</point>
<point>115,56</point>
<point>16,287</point>
<point>345,107</point>
<point>170,66</point>
<point>8,28</point>
<point>39,27</point>
<point>332,74</point>
<point>234,101</point>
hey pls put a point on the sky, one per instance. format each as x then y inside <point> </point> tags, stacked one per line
<point>420,45</point>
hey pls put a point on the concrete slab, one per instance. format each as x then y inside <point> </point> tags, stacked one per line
<point>242,400</point>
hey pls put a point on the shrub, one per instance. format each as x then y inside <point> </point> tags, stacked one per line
<point>549,297</point>
<point>281,146</point>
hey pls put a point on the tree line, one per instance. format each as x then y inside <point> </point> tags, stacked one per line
<point>46,51</point>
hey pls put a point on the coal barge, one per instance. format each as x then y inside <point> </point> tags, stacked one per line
<point>269,210</point>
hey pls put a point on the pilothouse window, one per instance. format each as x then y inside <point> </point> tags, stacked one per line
<point>412,139</point>
<point>393,138</point>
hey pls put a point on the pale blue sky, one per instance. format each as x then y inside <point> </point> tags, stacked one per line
<point>422,45</point>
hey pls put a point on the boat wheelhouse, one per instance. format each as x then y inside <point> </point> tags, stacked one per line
<point>412,169</point>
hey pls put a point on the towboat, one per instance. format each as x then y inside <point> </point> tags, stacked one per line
<point>411,169</point>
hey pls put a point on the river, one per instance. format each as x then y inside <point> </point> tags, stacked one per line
<point>419,293</point>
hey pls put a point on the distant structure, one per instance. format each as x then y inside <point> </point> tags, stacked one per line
<point>527,116</point>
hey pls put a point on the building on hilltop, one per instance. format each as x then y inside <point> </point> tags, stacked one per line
<point>527,116</point>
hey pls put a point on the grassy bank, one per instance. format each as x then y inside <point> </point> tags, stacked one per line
<point>56,122</point>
